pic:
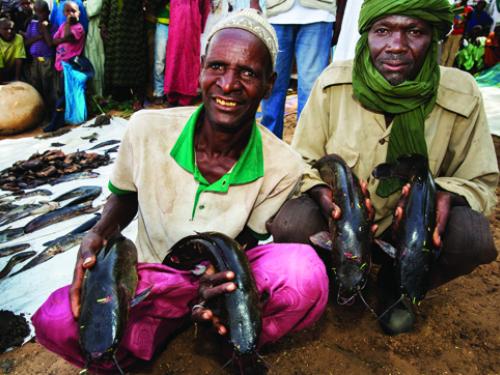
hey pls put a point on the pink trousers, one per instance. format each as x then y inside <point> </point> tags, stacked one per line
<point>291,275</point>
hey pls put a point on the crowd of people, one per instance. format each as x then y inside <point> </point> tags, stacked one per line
<point>149,51</point>
<point>238,178</point>
<point>474,42</point>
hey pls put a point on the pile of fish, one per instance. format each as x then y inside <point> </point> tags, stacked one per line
<point>350,238</point>
<point>80,202</point>
<point>52,166</point>
<point>242,306</point>
<point>108,292</point>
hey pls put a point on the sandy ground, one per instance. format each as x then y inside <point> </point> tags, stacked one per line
<point>457,332</point>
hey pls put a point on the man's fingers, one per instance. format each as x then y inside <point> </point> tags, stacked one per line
<point>405,190</point>
<point>207,293</point>
<point>76,286</point>
<point>374,228</point>
<point>216,278</point>
<point>202,314</point>
<point>436,238</point>
<point>336,212</point>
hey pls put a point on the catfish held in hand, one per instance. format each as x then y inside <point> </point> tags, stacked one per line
<point>242,306</point>
<point>107,295</point>
<point>412,246</point>
<point>350,237</point>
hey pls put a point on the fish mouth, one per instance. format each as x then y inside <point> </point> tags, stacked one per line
<point>351,280</point>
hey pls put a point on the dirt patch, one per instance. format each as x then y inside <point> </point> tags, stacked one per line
<point>457,332</point>
<point>13,330</point>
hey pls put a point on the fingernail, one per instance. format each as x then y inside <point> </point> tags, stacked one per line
<point>87,261</point>
<point>205,315</point>
<point>231,287</point>
<point>230,275</point>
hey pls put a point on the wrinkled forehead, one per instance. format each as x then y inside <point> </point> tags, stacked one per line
<point>401,19</point>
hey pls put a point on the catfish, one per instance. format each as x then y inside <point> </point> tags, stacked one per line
<point>411,246</point>
<point>108,292</point>
<point>350,238</point>
<point>242,306</point>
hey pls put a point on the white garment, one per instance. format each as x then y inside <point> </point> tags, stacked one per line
<point>349,35</point>
<point>301,15</point>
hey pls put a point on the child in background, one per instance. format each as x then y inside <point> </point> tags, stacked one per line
<point>70,40</point>
<point>12,52</point>
<point>40,71</point>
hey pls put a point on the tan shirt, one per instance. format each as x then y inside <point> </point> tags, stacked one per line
<point>166,191</point>
<point>461,152</point>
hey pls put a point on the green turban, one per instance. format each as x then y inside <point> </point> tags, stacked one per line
<point>411,101</point>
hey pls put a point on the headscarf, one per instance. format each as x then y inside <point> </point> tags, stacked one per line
<point>250,20</point>
<point>411,101</point>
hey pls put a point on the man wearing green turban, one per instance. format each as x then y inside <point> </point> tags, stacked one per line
<point>394,100</point>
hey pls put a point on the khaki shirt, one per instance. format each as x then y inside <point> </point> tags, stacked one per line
<point>460,148</point>
<point>171,203</point>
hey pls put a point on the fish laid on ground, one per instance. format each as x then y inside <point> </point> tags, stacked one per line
<point>412,247</point>
<point>36,210</point>
<point>350,237</point>
<point>100,121</point>
<point>108,292</point>
<point>82,194</point>
<point>59,215</point>
<point>55,133</point>
<point>17,258</point>
<point>33,193</point>
<point>105,143</point>
<point>74,176</point>
<point>242,306</point>
<point>9,250</point>
<point>91,137</point>
<point>57,144</point>
<point>80,229</point>
<point>111,150</point>
<point>10,234</point>
<point>63,245</point>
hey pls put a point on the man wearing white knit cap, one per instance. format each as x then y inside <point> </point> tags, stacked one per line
<point>188,170</point>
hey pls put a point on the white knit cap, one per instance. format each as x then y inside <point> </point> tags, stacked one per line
<point>252,21</point>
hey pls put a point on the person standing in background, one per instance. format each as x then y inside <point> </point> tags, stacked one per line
<point>39,71</point>
<point>160,50</point>
<point>94,48</point>
<point>304,29</point>
<point>57,16</point>
<point>452,44</point>
<point>123,34</point>
<point>182,63</point>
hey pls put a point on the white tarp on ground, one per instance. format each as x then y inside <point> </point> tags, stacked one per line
<point>25,292</point>
<point>491,97</point>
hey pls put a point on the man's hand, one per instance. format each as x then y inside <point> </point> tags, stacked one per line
<point>323,196</point>
<point>86,258</point>
<point>212,285</point>
<point>443,204</point>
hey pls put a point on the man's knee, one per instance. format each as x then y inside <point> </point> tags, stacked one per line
<point>467,243</point>
<point>296,221</point>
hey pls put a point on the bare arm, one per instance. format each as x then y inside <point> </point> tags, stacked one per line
<point>67,38</point>
<point>255,5</point>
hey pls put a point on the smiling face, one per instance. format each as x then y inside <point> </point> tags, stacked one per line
<point>236,75</point>
<point>398,47</point>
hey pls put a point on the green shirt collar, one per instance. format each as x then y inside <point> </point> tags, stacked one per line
<point>248,168</point>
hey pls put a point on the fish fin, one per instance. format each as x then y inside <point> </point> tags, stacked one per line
<point>387,248</point>
<point>141,296</point>
<point>322,240</point>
